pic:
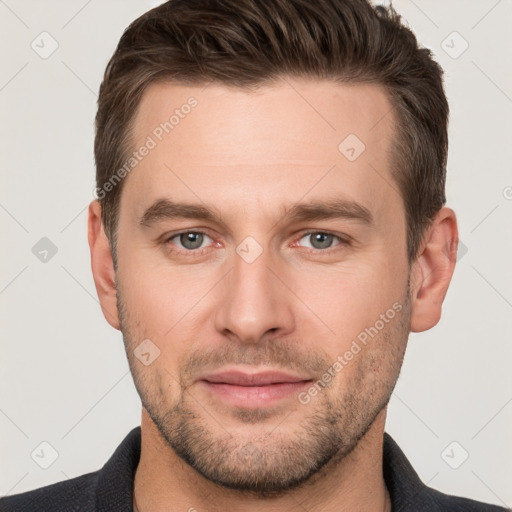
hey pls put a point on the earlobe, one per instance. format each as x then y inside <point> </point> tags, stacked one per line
<point>102,265</point>
<point>433,269</point>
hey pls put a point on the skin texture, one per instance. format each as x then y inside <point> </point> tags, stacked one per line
<point>296,307</point>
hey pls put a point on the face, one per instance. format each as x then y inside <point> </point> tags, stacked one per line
<point>258,234</point>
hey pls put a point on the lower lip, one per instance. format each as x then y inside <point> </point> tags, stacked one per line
<point>255,396</point>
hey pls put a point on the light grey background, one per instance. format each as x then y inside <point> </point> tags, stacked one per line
<point>64,374</point>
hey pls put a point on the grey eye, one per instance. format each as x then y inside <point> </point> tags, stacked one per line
<point>320,240</point>
<point>191,240</point>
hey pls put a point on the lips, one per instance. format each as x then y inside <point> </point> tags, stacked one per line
<point>265,378</point>
<point>253,390</point>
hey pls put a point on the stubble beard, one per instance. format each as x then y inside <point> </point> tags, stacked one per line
<point>280,456</point>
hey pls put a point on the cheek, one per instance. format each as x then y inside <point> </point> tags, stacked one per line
<point>345,300</point>
<point>163,299</point>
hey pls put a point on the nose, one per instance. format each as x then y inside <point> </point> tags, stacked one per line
<point>254,301</point>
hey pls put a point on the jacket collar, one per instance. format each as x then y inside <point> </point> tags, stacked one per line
<point>408,493</point>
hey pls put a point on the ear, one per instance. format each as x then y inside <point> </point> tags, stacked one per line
<point>433,269</point>
<point>102,265</point>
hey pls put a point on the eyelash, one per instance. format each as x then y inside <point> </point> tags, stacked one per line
<point>196,253</point>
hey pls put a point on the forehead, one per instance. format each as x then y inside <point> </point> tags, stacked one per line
<point>323,110</point>
<point>230,146</point>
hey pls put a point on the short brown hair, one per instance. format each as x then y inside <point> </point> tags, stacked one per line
<point>247,43</point>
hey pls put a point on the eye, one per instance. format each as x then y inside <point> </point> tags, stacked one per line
<point>320,240</point>
<point>189,240</point>
<point>192,243</point>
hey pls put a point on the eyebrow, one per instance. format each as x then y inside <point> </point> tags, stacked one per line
<point>312,211</point>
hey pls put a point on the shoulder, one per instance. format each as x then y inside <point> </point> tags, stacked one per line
<point>451,503</point>
<point>74,495</point>
<point>431,500</point>
<point>105,490</point>
<point>409,494</point>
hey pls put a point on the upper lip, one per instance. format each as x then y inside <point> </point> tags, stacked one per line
<point>262,378</point>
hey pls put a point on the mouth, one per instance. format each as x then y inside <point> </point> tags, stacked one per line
<point>251,390</point>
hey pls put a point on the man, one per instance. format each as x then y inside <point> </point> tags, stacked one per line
<point>270,226</point>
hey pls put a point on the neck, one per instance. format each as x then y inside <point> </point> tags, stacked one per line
<point>164,482</point>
